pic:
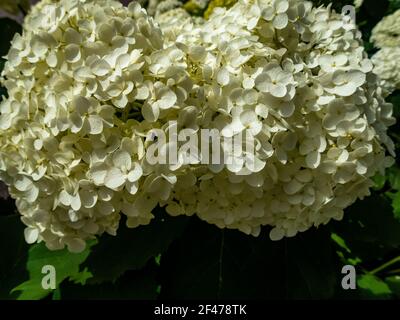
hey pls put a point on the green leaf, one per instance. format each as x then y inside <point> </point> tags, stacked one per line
<point>373,287</point>
<point>56,294</point>
<point>209,263</point>
<point>394,5</point>
<point>396,204</point>
<point>8,29</point>
<point>379,181</point>
<point>393,175</point>
<point>394,284</point>
<point>14,253</point>
<point>65,263</point>
<point>132,285</point>
<point>340,242</point>
<point>369,229</point>
<point>132,248</point>
<point>81,277</point>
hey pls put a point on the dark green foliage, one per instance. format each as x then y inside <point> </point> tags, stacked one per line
<point>337,5</point>
<point>210,263</point>
<point>13,255</point>
<point>132,249</point>
<point>140,284</point>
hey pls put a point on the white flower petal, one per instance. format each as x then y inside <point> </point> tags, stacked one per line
<point>313,159</point>
<point>100,68</point>
<point>122,160</point>
<point>135,174</point>
<point>280,21</point>
<point>114,179</point>
<point>72,53</point>
<point>223,77</point>
<point>95,124</point>
<point>31,235</point>
<point>276,234</point>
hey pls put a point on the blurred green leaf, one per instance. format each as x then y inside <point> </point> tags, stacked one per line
<point>340,242</point>
<point>396,204</point>
<point>379,181</point>
<point>371,234</point>
<point>369,228</point>
<point>393,6</point>
<point>394,284</point>
<point>372,287</point>
<point>393,175</point>
<point>138,284</point>
<point>81,277</point>
<point>65,263</point>
<point>56,294</point>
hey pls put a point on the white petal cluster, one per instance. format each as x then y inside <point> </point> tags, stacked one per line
<point>386,36</point>
<point>387,32</point>
<point>297,78</point>
<point>69,148</point>
<point>172,22</point>
<point>387,66</point>
<point>89,80</point>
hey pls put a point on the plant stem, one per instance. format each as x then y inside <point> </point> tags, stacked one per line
<point>386,265</point>
<point>395,271</point>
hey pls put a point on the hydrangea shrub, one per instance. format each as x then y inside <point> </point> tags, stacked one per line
<point>88,80</point>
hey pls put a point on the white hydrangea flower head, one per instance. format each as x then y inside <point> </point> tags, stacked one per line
<point>91,83</point>
<point>70,151</point>
<point>297,79</point>
<point>387,32</point>
<point>386,66</point>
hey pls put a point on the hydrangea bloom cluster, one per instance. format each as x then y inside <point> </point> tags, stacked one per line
<point>298,78</point>
<point>386,35</point>
<point>387,32</point>
<point>386,66</point>
<point>68,151</point>
<point>88,80</point>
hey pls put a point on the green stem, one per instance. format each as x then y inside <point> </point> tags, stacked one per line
<point>386,265</point>
<point>395,271</point>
